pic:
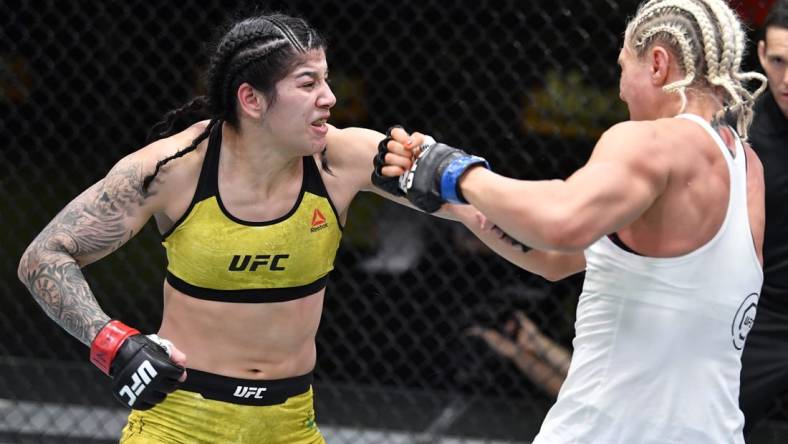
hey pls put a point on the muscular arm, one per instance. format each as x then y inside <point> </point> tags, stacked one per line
<point>626,173</point>
<point>94,224</point>
<point>551,265</point>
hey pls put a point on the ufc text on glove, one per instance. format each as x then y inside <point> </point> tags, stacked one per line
<point>433,178</point>
<point>141,370</point>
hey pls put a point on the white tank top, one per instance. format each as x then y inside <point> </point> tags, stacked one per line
<point>658,341</point>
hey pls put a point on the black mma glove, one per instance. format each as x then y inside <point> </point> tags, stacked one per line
<point>141,370</point>
<point>433,178</point>
<point>385,183</point>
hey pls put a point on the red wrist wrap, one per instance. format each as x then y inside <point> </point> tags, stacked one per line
<point>107,342</point>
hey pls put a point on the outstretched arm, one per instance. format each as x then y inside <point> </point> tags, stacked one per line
<point>354,150</point>
<point>626,173</point>
<point>551,265</point>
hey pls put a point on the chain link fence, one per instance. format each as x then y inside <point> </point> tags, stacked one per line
<point>528,84</point>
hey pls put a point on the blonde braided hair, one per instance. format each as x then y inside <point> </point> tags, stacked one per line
<point>709,40</point>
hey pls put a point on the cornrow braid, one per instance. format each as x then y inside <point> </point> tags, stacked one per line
<point>310,34</point>
<point>324,161</point>
<point>739,37</point>
<point>176,120</point>
<point>242,60</point>
<point>730,77</point>
<point>717,50</point>
<point>707,30</point>
<point>733,81</point>
<point>686,53</point>
<point>235,41</point>
<point>288,33</point>
<point>743,109</point>
<point>723,77</point>
<point>204,135</point>
<point>648,10</point>
<point>258,50</point>
<point>675,25</point>
<point>733,45</point>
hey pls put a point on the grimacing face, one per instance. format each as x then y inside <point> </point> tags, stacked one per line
<point>304,100</point>
<point>773,55</point>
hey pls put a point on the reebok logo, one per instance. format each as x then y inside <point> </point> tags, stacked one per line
<point>243,391</point>
<point>318,221</point>
<point>139,380</point>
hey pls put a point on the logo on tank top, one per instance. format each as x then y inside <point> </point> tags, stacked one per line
<point>318,221</point>
<point>744,319</point>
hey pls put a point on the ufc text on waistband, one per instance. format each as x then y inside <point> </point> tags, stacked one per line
<point>245,391</point>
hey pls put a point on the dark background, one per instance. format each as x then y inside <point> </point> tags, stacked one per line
<point>527,84</point>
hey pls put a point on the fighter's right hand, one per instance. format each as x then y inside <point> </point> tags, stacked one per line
<point>140,366</point>
<point>394,158</point>
<point>433,178</point>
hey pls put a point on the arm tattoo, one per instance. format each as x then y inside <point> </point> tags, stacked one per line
<point>510,240</point>
<point>63,293</point>
<point>91,226</point>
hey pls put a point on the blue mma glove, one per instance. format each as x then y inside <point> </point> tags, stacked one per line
<point>433,178</point>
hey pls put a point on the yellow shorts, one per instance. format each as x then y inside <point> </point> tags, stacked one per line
<point>190,417</point>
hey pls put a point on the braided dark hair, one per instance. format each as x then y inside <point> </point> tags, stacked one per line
<point>258,50</point>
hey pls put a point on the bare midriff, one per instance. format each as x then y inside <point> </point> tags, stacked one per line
<point>243,340</point>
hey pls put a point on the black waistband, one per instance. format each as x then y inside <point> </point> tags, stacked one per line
<point>245,391</point>
<point>248,296</point>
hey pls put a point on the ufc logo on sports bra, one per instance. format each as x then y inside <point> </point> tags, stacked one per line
<point>252,263</point>
<point>249,392</point>
<point>139,380</point>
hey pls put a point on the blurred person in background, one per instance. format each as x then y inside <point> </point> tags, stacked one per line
<point>764,374</point>
<point>538,357</point>
<point>666,218</point>
<point>250,189</point>
<point>517,338</point>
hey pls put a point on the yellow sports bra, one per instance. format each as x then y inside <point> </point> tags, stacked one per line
<point>214,255</point>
